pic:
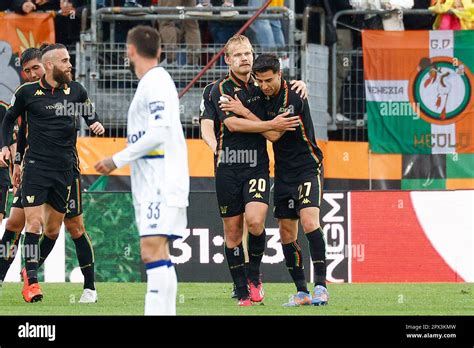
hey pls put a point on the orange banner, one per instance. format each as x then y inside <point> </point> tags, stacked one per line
<point>343,160</point>
<point>17,33</point>
<point>23,31</point>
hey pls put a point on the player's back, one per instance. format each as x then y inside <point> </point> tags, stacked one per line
<point>165,166</point>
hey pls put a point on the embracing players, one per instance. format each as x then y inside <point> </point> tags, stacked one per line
<point>298,176</point>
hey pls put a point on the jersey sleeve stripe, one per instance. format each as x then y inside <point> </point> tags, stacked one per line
<point>221,141</point>
<point>305,138</point>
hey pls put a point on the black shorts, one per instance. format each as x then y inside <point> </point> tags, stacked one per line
<point>46,186</point>
<point>290,197</point>
<point>237,187</point>
<point>74,205</point>
<point>3,199</point>
<point>17,199</point>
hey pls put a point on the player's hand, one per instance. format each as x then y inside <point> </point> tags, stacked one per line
<point>283,123</point>
<point>234,105</point>
<point>16,177</point>
<point>28,7</point>
<point>106,166</point>
<point>66,8</point>
<point>213,146</point>
<point>97,128</point>
<point>300,87</point>
<point>4,156</point>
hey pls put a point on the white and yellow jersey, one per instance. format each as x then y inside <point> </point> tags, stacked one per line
<point>156,147</point>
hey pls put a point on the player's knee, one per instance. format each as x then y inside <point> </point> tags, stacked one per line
<point>14,225</point>
<point>255,225</point>
<point>149,255</point>
<point>309,224</point>
<point>34,224</point>
<point>233,238</point>
<point>287,235</point>
<point>152,249</point>
<point>51,233</point>
<point>52,230</point>
<point>75,229</point>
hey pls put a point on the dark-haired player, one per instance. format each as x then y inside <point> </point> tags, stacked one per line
<point>157,154</point>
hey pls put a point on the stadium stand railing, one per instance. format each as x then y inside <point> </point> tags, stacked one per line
<point>102,66</point>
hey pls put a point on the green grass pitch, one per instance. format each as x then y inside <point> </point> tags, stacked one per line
<point>214,299</point>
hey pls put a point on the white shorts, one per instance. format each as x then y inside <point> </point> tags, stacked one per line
<point>158,219</point>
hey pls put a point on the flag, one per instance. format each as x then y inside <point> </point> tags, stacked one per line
<point>22,31</point>
<point>16,35</point>
<point>419,87</point>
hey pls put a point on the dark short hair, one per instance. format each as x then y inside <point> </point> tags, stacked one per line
<point>265,62</point>
<point>146,39</point>
<point>30,54</point>
<point>56,46</point>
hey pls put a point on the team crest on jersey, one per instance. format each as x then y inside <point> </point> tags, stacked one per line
<point>67,90</point>
<point>39,92</point>
<point>156,106</point>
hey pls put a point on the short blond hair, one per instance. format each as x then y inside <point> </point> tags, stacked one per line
<point>236,39</point>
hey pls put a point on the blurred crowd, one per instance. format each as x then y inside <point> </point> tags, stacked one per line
<point>447,14</point>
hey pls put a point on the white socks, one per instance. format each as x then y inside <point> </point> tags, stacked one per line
<point>172,290</point>
<point>162,286</point>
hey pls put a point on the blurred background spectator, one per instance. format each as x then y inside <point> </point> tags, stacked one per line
<point>67,20</point>
<point>392,21</point>
<point>221,31</point>
<point>267,32</point>
<point>461,18</point>
<point>122,27</point>
<point>171,31</point>
<point>206,4</point>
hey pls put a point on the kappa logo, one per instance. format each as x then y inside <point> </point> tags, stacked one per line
<point>258,195</point>
<point>39,92</point>
<point>237,89</point>
<point>306,201</point>
<point>67,90</point>
<point>30,199</point>
<point>223,209</point>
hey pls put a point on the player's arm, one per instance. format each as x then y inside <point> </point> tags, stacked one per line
<point>207,118</point>
<point>236,124</point>
<point>235,106</point>
<point>18,154</point>
<point>20,143</point>
<point>17,108</point>
<point>89,115</point>
<point>207,133</point>
<point>159,120</point>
